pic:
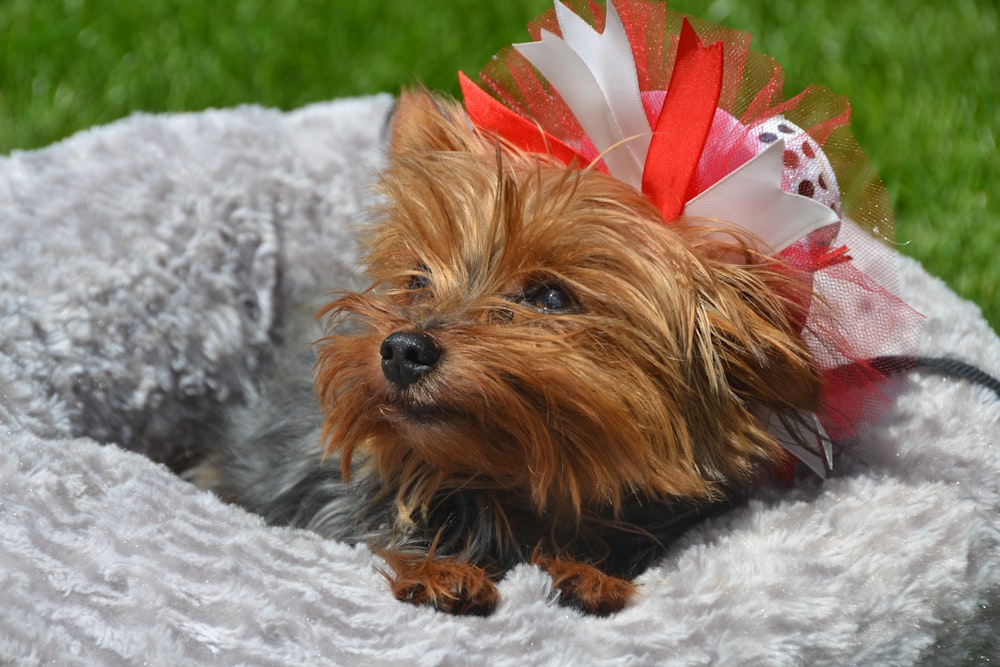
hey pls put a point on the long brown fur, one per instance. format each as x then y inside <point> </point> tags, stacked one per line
<point>646,386</point>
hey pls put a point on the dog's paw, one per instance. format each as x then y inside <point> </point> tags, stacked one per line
<point>448,585</point>
<point>584,587</point>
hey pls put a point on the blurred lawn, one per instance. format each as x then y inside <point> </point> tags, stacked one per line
<point>923,77</point>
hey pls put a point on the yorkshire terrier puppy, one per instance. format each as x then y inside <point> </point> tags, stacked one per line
<point>541,371</point>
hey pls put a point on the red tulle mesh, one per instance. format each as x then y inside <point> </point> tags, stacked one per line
<point>859,330</point>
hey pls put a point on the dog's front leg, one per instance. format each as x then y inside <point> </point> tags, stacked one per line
<point>447,584</point>
<point>583,586</point>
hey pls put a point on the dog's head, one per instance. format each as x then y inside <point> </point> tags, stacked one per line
<point>539,329</point>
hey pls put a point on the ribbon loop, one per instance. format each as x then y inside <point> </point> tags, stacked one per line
<point>683,124</point>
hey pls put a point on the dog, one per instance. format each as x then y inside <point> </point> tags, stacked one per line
<point>541,371</point>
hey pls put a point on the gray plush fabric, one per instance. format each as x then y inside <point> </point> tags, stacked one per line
<point>144,267</point>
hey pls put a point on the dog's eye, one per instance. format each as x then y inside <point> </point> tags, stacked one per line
<point>420,280</point>
<point>548,298</point>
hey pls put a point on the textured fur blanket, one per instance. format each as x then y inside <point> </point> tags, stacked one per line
<point>146,265</point>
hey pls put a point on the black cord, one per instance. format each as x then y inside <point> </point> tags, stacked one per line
<point>941,365</point>
<point>959,369</point>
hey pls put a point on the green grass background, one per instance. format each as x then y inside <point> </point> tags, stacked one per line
<point>923,77</point>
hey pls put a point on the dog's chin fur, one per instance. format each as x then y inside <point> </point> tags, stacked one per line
<point>596,387</point>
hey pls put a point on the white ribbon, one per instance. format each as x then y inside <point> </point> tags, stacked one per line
<point>808,443</point>
<point>751,197</point>
<point>595,74</point>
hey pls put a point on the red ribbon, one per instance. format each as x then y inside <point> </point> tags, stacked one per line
<point>489,114</point>
<point>683,124</point>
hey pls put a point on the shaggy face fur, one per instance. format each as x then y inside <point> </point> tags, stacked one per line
<point>542,370</point>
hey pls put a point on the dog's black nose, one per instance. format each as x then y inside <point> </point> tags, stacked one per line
<point>407,356</point>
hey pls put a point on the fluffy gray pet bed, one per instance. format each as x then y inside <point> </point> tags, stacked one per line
<point>146,264</point>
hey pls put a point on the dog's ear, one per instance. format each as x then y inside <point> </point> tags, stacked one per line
<point>753,310</point>
<point>424,122</point>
